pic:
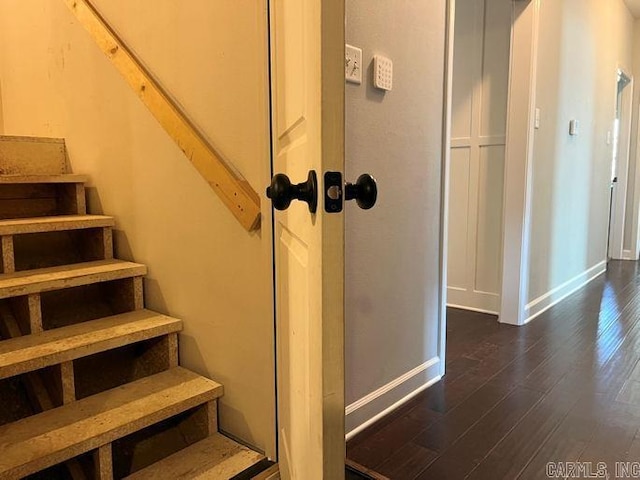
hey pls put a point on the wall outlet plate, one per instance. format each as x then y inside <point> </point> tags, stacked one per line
<point>382,73</point>
<point>353,64</point>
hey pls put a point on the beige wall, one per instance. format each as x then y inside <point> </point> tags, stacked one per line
<point>393,250</point>
<point>582,43</point>
<point>203,266</point>
<point>1,111</point>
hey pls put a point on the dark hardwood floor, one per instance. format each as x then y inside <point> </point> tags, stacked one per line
<point>564,388</point>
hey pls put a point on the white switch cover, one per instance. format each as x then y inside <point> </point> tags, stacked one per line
<point>353,64</point>
<point>382,72</point>
<point>574,127</point>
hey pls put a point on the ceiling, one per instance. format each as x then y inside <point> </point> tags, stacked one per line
<point>634,6</point>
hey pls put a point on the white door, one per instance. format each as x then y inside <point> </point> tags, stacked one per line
<point>478,131</point>
<point>307,64</point>
<point>620,166</point>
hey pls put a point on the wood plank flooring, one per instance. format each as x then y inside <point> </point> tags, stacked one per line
<point>564,388</point>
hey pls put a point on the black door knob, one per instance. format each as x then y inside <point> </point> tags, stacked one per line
<point>364,191</point>
<point>282,192</point>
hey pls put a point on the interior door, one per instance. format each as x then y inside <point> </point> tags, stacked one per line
<point>478,139</point>
<point>307,69</point>
<point>619,166</point>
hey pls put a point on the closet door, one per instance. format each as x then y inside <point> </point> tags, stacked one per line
<point>480,87</point>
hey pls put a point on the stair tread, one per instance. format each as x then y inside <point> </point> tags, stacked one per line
<point>54,223</point>
<point>65,276</point>
<point>40,350</point>
<point>216,457</point>
<point>63,178</point>
<point>51,437</point>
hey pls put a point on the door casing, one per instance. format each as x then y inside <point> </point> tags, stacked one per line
<point>518,161</point>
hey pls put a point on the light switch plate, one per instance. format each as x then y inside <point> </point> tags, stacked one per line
<point>353,64</point>
<point>382,72</point>
<point>574,127</point>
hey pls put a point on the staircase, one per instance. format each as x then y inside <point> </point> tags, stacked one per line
<point>90,385</point>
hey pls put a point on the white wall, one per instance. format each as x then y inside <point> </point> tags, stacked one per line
<point>633,194</point>
<point>478,118</point>
<point>392,251</point>
<point>582,43</point>
<point>203,266</point>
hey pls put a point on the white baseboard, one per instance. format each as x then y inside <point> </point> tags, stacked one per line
<point>551,298</point>
<point>472,309</point>
<point>475,300</point>
<point>628,255</point>
<point>372,407</point>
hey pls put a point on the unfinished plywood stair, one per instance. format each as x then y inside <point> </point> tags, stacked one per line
<point>90,385</point>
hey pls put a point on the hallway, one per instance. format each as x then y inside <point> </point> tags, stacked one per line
<point>564,388</point>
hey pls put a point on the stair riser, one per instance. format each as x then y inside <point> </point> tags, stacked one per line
<point>32,156</point>
<point>49,311</point>
<point>22,252</point>
<point>124,364</point>
<point>39,200</point>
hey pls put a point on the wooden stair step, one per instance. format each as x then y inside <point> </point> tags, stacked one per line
<point>215,458</point>
<point>51,437</point>
<point>25,179</point>
<point>33,352</point>
<point>32,155</point>
<point>66,276</point>
<point>54,224</point>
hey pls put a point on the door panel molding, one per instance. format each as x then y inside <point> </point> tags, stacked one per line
<point>477,158</point>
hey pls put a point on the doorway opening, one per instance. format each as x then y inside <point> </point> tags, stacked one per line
<point>621,139</point>
<point>481,58</point>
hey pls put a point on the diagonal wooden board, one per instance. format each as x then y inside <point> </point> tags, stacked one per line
<point>233,190</point>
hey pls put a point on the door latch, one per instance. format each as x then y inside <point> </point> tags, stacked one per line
<point>333,193</point>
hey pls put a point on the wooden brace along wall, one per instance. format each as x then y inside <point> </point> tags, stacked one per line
<point>234,191</point>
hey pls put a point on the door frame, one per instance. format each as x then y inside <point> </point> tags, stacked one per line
<point>486,301</point>
<point>518,162</point>
<point>446,167</point>
<point>618,210</point>
<point>635,225</point>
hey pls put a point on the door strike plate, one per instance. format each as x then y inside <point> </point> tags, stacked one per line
<point>333,194</point>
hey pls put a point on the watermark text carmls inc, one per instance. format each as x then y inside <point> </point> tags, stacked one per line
<point>592,470</point>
